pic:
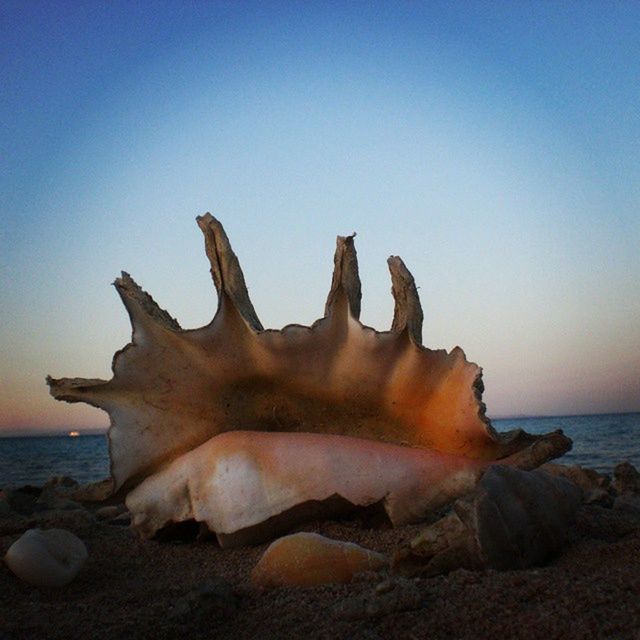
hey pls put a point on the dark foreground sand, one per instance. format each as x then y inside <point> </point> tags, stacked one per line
<point>130,589</point>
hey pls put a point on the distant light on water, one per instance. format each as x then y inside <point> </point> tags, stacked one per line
<point>74,434</point>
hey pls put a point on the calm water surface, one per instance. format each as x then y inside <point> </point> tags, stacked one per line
<point>33,460</point>
<point>599,442</point>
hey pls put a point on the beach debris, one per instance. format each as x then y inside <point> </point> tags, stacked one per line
<point>626,478</point>
<point>307,559</point>
<point>5,505</point>
<point>178,398</point>
<point>110,512</point>
<point>588,480</point>
<point>80,521</point>
<point>608,524</point>
<point>54,495</point>
<point>513,520</point>
<point>122,520</point>
<point>23,499</point>
<point>629,502</point>
<point>60,485</point>
<point>600,497</point>
<point>392,595</point>
<point>114,514</point>
<point>51,501</point>
<point>57,493</point>
<point>47,557</point>
<point>249,487</point>
<point>211,601</point>
<point>94,491</point>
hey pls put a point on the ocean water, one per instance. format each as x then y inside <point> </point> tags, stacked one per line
<point>599,442</point>
<point>33,460</point>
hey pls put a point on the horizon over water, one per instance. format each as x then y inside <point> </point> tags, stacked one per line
<point>600,441</point>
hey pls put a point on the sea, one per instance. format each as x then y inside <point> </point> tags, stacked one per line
<point>599,442</point>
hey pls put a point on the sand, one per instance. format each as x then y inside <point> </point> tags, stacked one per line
<point>132,588</point>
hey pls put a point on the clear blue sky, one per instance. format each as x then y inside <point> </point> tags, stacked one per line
<point>495,146</point>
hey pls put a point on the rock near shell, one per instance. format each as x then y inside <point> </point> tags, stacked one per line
<point>311,559</point>
<point>513,520</point>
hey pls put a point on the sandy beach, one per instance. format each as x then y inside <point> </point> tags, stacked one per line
<point>132,588</point>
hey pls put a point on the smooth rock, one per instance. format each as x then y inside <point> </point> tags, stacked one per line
<point>311,559</point>
<point>626,478</point>
<point>47,558</point>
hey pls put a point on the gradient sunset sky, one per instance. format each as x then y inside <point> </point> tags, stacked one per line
<point>495,146</point>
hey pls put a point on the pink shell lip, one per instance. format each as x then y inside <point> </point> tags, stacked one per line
<point>248,487</point>
<point>174,389</point>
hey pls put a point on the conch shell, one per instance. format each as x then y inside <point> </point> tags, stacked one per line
<point>173,390</point>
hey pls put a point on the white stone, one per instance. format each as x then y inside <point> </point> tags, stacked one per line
<point>47,557</point>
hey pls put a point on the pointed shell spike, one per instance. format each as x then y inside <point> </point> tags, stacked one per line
<point>140,305</point>
<point>346,279</point>
<point>225,269</point>
<point>407,313</point>
<point>77,389</point>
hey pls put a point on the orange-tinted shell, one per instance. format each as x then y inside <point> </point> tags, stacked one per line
<point>307,559</point>
<point>249,486</point>
<point>174,389</point>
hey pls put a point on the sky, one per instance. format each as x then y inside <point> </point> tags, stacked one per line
<point>495,146</point>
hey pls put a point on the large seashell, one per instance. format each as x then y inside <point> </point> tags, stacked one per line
<point>46,558</point>
<point>513,520</point>
<point>250,486</point>
<point>197,416</point>
<point>311,559</point>
<point>173,389</point>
